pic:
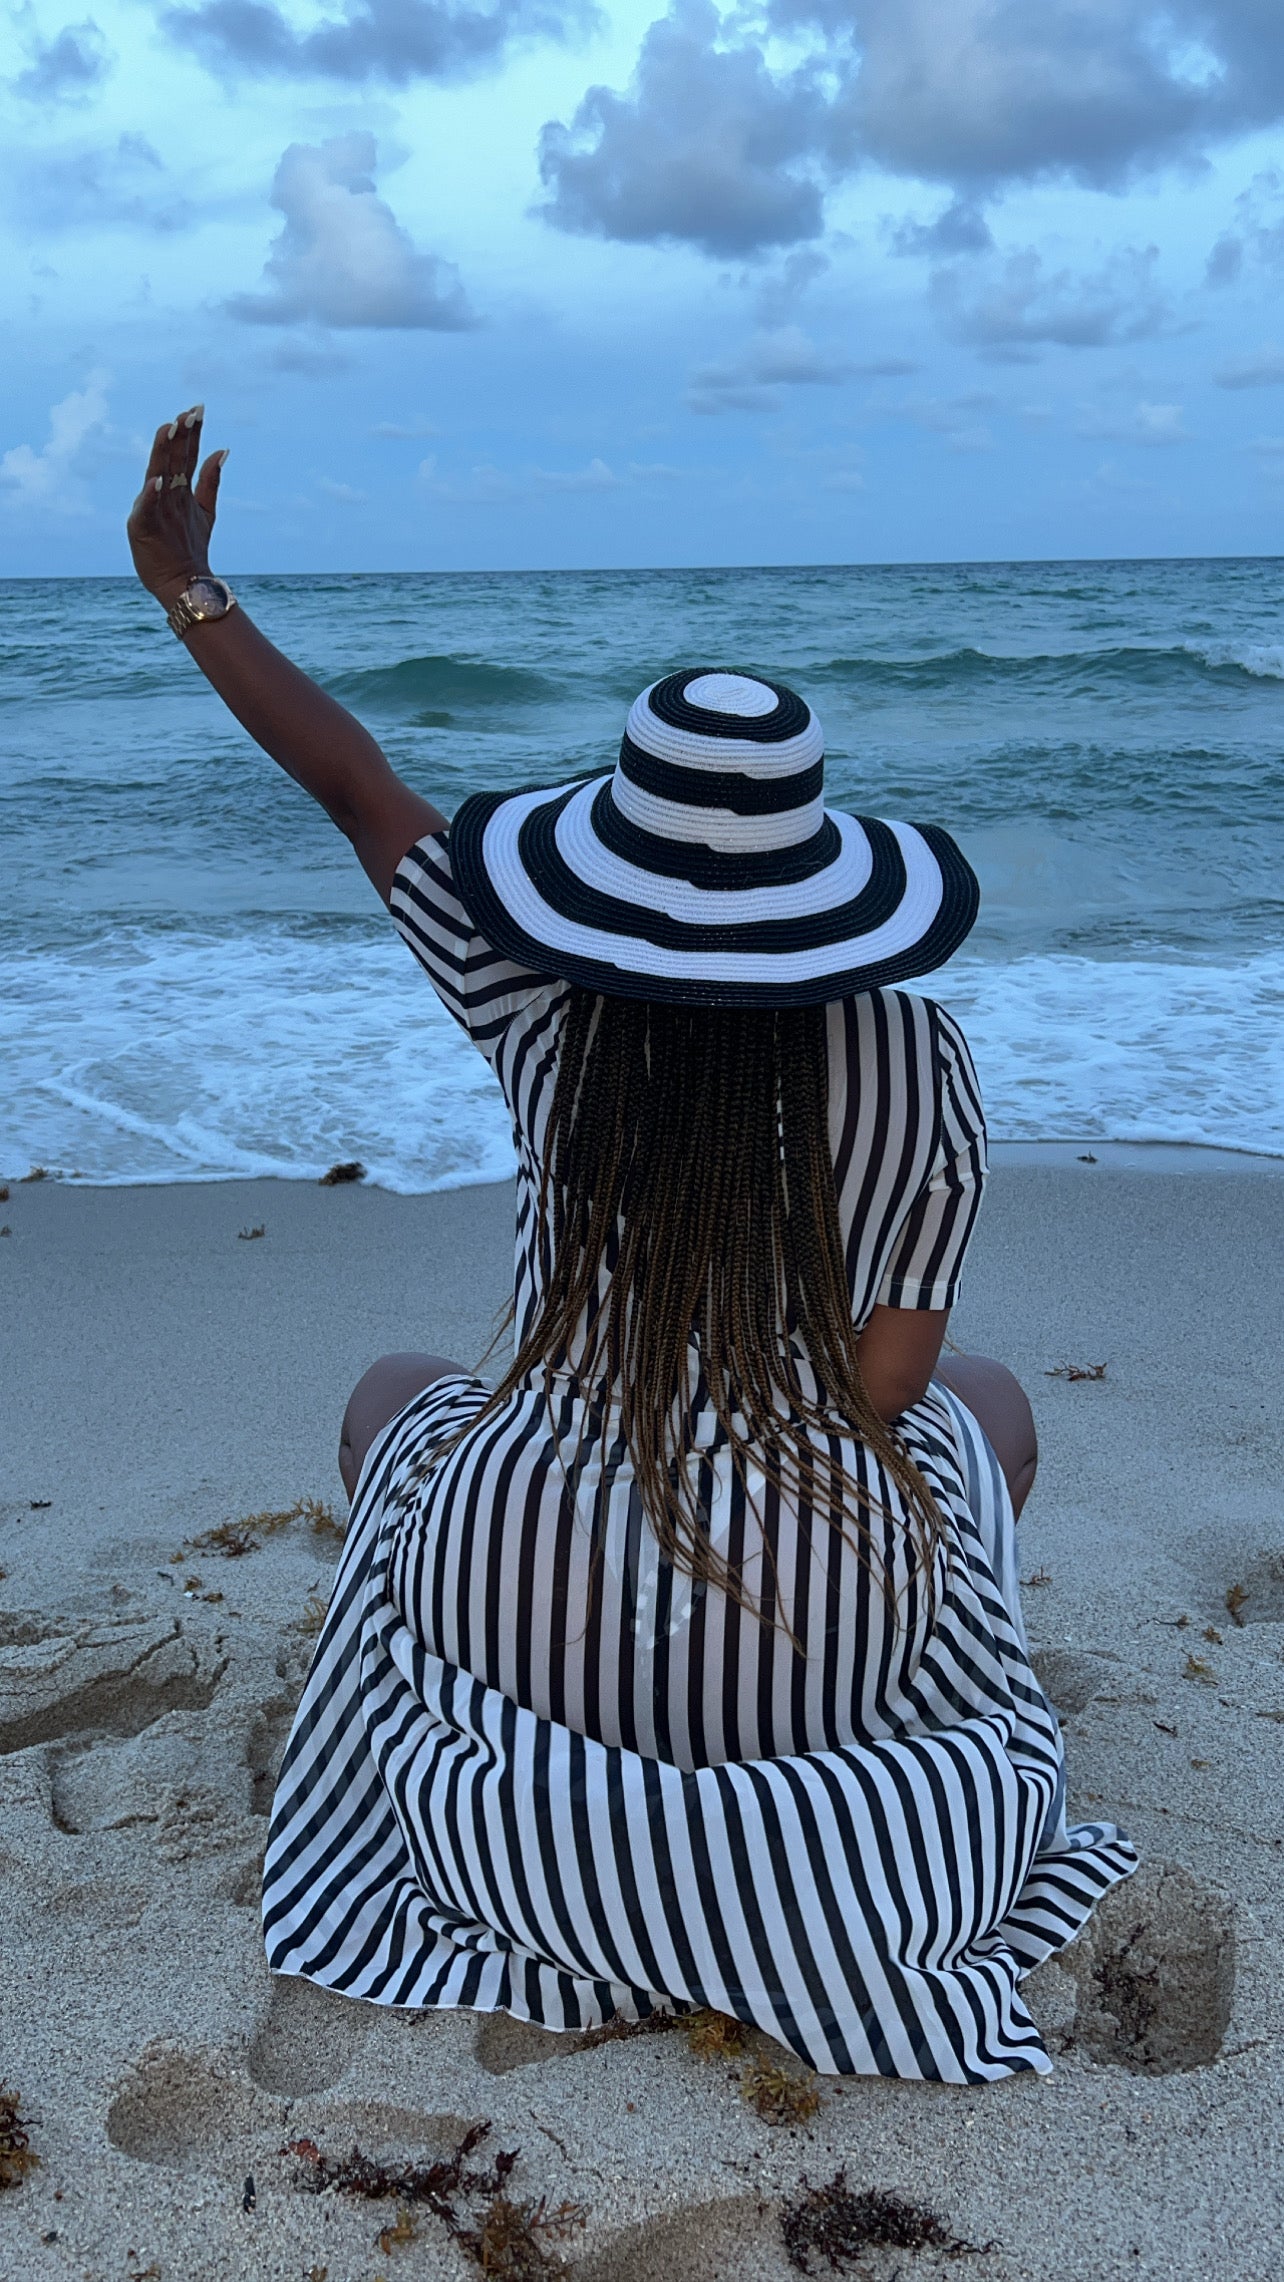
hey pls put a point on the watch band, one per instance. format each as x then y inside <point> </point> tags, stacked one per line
<point>193,605</point>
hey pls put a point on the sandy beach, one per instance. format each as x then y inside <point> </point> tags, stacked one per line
<point>169,1371</point>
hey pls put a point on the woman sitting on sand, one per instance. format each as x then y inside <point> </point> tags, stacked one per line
<point>685,1666</point>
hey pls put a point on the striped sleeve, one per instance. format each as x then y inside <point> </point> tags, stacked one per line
<point>927,1257</point>
<point>482,989</point>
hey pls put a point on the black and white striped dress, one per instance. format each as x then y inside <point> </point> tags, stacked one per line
<point>536,1770</point>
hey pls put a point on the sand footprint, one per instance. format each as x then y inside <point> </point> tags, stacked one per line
<point>1155,1972</point>
<point>740,2236</point>
<point>116,1676</point>
<point>189,2108</point>
<point>306,2038</point>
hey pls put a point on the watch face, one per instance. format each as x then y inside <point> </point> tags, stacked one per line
<point>208,597</point>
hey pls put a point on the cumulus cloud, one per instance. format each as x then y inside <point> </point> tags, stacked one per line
<point>85,186</point>
<point>1011,306</point>
<point>49,479</point>
<point>976,93</point>
<point>711,146</point>
<point>752,382</point>
<point>708,146</point>
<point>68,67</point>
<point>1263,369</point>
<point>393,40</point>
<point>342,258</point>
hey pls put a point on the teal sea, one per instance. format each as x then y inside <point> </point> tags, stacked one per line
<point>196,980</point>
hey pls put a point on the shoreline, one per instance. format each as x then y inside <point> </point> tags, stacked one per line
<point>1187,1157</point>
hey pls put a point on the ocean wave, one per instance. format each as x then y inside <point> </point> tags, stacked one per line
<point>435,689</point>
<point>1262,661</point>
<point>199,1056</point>
<point>1130,667</point>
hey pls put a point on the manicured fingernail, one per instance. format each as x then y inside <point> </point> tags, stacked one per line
<point>221,456</point>
<point>173,428</point>
<point>197,413</point>
<point>159,484</point>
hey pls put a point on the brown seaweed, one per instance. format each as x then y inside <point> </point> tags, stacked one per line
<point>17,2157</point>
<point>779,2095</point>
<point>508,2240</point>
<point>339,1174</point>
<point>834,2224</point>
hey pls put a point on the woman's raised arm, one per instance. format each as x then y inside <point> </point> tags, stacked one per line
<point>315,740</point>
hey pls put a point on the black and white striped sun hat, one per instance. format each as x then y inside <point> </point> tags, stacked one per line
<point>706,869</point>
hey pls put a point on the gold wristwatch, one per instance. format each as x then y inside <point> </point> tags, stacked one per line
<point>205,598</point>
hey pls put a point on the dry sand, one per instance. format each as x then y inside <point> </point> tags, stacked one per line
<point>164,1376</point>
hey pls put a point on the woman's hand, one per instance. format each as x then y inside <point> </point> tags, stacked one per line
<point>171,520</point>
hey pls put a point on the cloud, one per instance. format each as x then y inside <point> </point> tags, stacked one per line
<point>343,492</point>
<point>1013,304</point>
<point>712,147</point>
<point>394,40</point>
<point>89,186</point>
<point>49,478</point>
<point>752,382</point>
<point>1145,424</point>
<point>1257,233</point>
<point>68,67</point>
<point>342,258</point>
<point>403,431</point>
<point>708,147</point>
<point>960,229</point>
<point>1263,369</point>
<point>978,93</point>
<point>780,291</point>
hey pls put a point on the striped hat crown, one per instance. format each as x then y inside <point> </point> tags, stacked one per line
<point>705,868</point>
<point>722,761</point>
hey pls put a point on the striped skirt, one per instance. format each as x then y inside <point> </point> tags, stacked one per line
<point>873,1908</point>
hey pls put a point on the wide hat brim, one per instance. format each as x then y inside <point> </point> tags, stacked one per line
<point>544,883</point>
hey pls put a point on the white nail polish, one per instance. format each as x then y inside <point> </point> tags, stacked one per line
<point>173,430</point>
<point>197,413</point>
<point>223,454</point>
<point>159,484</point>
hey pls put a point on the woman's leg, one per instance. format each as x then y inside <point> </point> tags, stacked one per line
<point>1001,1405</point>
<point>384,1389</point>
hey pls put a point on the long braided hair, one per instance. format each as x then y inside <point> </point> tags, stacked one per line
<point>688,1149</point>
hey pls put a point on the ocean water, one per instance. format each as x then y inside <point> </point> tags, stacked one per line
<point>196,980</point>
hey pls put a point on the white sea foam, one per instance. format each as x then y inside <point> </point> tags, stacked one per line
<point>187,1057</point>
<point>1265,660</point>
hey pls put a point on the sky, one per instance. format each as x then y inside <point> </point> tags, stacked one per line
<point>488,284</point>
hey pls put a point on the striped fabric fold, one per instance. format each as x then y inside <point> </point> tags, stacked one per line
<point>872,1907</point>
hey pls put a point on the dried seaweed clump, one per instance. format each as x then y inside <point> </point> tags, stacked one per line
<point>715,2036</point>
<point>16,2156</point>
<point>339,1174</point>
<point>509,2241</point>
<point>833,2224</point>
<point>779,2095</point>
<point>316,1609</point>
<point>233,1538</point>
